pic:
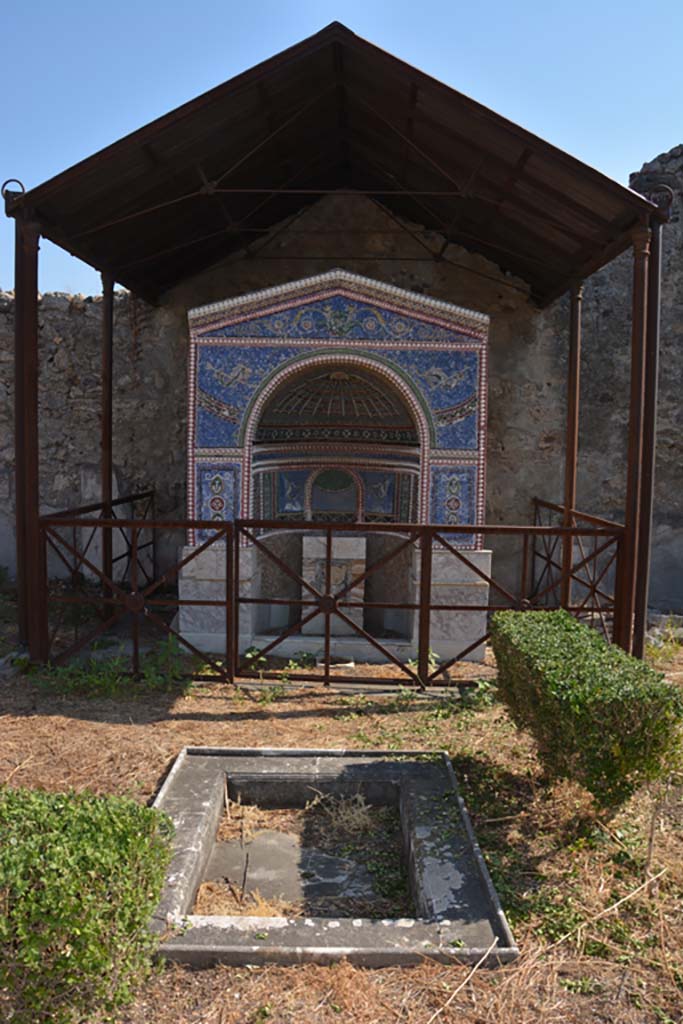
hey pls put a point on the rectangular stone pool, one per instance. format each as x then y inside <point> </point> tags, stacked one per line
<point>293,856</point>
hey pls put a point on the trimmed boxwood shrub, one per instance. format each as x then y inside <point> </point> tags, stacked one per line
<point>598,715</point>
<point>80,876</point>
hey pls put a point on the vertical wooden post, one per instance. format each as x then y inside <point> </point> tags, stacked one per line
<point>626,582</point>
<point>106,426</point>
<point>649,441</point>
<point>30,556</point>
<point>572,442</point>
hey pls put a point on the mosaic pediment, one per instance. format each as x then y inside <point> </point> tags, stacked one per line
<point>339,306</point>
<point>338,317</point>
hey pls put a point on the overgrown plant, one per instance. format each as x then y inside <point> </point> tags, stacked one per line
<point>80,876</point>
<point>162,669</point>
<point>599,716</point>
<point>433,661</point>
<point>273,693</point>
<point>256,661</point>
<point>302,659</point>
<point>665,644</point>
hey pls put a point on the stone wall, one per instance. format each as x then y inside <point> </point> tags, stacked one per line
<point>527,373</point>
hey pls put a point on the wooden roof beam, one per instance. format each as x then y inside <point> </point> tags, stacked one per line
<point>397,66</point>
<point>615,248</point>
<point>236,226</point>
<point>417,198</point>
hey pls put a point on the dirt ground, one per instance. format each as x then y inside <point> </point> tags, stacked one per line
<point>597,909</point>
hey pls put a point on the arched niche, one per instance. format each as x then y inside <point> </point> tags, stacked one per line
<point>336,441</point>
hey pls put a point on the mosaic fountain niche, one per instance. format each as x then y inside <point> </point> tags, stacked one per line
<point>337,399</point>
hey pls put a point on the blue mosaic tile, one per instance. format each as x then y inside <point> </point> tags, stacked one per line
<point>229,377</point>
<point>292,489</point>
<point>448,382</point>
<point>453,497</point>
<point>217,493</point>
<point>398,457</point>
<point>379,491</point>
<point>337,317</point>
<point>232,371</point>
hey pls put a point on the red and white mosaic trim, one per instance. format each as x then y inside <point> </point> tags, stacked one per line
<point>337,282</point>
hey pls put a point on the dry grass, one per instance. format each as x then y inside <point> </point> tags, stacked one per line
<point>223,898</point>
<point>557,868</point>
<point>345,814</point>
<point>341,826</point>
<point>243,821</point>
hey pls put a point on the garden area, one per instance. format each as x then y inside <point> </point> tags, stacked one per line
<point>591,882</point>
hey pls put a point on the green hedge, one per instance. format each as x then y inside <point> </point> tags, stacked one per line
<point>598,715</point>
<point>80,877</point>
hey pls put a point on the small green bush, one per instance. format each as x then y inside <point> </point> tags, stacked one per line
<point>599,716</point>
<point>80,876</point>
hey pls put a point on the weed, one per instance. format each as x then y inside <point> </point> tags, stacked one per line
<point>559,913</point>
<point>358,705</point>
<point>584,986</point>
<point>663,1017</point>
<point>302,659</point>
<point>163,667</point>
<point>255,661</point>
<point>161,670</point>
<point>403,700</point>
<point>272,693</point>
<point>482,695</point>
<point>433,662</point>
<point>664,646</point>
<point>364,737</point>
<point>446,707</point>
<point>346,814</point>
<point>22,662</point>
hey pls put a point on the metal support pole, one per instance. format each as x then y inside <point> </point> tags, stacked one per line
<point>572,442</point>
<point>106,425</point>
<point>19,446</point>
<point>424,627</point>
<point>649,441</point>
<point>31,577</point>
<point>627,577</point>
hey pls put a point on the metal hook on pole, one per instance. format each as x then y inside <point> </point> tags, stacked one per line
<point>10,193</point>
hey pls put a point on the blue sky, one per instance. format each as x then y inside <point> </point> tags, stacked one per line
<point>602,80</point>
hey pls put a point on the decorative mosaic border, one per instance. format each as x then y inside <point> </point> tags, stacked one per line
<point>351,465</point>
<point>336,282</point>
<point>472,345</point>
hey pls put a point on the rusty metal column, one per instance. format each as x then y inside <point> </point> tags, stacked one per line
<point>30,562</point>
<point>106,426</point>
<point>625,595</point>
<point>649,440</point>
<point>572,442</point>
<point>424,627</point>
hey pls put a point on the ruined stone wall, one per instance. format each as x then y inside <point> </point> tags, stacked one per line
<point>527,374</point>
<point>149,405</point>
